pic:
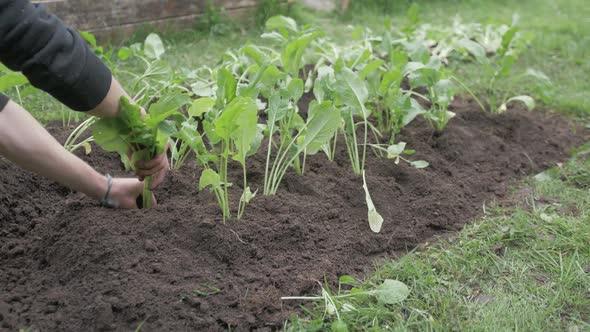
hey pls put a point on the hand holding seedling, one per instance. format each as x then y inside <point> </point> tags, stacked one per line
<point>79,78</point>
<point>125,192</point>
<point>156,168</point>
<point>42,154</point>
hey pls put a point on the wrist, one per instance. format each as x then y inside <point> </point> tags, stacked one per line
<point>99,186</point>
<point>109,107</point>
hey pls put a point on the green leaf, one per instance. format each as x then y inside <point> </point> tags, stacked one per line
<point>124,53</point>
<point>391,80</point>
<point>399,59</point>
<point>201,106</point>
<point>347,280</point>
<point>89,37</point>
<point>269,79</point>
<point>282,24</point>
<point>189,135</point>
<point>292,56</point>
<point>210,178</point>
<point>352,91</point>
<point>238,122</point>
<point>395,150</point>
<point>12,80</point>
<point>274,36</point>
<point>414,110</point>
<point>153,46</point>
<point>202,89</point>
<point>538,75</point>
<point>229,120</point>
<point>370,67</point>
<point>258,141</point>
<point>277,108</point>
<point>506,64</point>
<point>419,164</point>
<point>246,132</point>
<point>474,49</point>
<point>528,101</point>
<point>295,89</point>
<point>543,176</point>
<point>254,52</point>
<point>167,128</point>
<point>165,107</point>
<point>339,326</point>
<point>445,92</point>
<point>109,134</point>
<point>226,86</point>
<point>263,82</point>
<point>29,90</point>
<point>418,52</point>
<point>413,66</point>
<point>375,219</point>
<point>391,292</point>
<point>507,38</point>
<point>129,114</point>
<point>320,128</point>
<point>247,195</point>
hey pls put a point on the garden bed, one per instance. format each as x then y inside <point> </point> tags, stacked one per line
<point>67,264</point>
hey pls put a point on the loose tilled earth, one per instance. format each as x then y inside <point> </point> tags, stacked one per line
<point>68,265</point>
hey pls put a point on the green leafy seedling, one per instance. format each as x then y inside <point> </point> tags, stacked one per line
<point>137,137</point>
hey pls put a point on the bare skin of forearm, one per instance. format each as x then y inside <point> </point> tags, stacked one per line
<point>25,142</point>
<point>109,107</point>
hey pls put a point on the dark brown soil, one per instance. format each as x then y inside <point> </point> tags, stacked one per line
<point>68,265</point>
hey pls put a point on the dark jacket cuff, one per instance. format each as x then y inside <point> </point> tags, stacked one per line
<point>3,101</point>
<point>90,89</point>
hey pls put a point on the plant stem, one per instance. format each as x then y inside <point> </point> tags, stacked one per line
<point>333,155</point>
<point>268,152</point>
<point>470,92</point>
<point>242,206</point>
<point>223,160</point>
<point>353,148</point>
<point>147,193</point>
<point>365,145</point>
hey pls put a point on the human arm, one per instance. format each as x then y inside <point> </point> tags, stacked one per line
<point>40,153</point>
<point>108,108</point>
<point>57,60</point>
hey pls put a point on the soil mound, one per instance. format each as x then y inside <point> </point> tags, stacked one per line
<point>68,265</point>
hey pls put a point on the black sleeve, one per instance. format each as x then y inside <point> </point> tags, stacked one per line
<point>3,101</point>
<point>51,55</point>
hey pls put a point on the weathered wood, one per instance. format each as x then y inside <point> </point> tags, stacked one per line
<point>104,17</point>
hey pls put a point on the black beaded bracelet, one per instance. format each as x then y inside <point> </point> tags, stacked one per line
<point>106,201</point>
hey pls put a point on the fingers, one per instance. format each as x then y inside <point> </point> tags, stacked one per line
<point>124,193</point>
<point>151,164</point>
<point>158,178</point>
<point>151,171</point>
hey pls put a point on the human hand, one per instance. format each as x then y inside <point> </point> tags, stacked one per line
<point>125,193</point>
<point>156,168</point>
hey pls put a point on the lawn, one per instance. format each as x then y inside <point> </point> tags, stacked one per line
<point>463,219</point>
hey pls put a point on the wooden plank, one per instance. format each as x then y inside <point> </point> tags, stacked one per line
<point>97,14</point>
<point>122,32</point>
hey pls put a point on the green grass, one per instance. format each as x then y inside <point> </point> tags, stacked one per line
<point>522,268</point>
